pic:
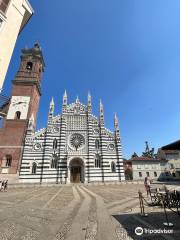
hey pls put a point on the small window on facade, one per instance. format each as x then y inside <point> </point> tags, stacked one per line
<point>55,144</point>
<point>113,167</point>
<point>34,168</point>
<point>97,144</point>
<point>18,115</point>
<point>97,161</point>
<point>54,162</point>
<point>155,174</point>
<point>147,174</point>
<point>8,160</point>
<point>172,166</point>
<point>29,66</point>
<point>1,22</point>
<point>4,5</point>
<point>140,174</point>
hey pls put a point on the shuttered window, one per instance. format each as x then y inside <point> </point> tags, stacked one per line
<point>4,5</point>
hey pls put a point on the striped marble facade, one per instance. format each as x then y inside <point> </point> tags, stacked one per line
<point>76,141</point>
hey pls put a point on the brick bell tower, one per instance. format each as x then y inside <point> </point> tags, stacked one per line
<point>23,105</point>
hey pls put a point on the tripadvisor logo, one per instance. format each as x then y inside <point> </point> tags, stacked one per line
<point>139,231</point>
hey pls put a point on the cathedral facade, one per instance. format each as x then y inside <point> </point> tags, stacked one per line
<point>75,146</point>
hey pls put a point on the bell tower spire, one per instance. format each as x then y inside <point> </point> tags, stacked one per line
<point>31,67</point>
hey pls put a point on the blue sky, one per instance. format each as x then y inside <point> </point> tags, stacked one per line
<point>126,52</point>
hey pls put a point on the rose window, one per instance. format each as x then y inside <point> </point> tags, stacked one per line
<point>111,146</point>
<point>77,141</point>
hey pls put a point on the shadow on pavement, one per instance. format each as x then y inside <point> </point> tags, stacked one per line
<point>154,221</point>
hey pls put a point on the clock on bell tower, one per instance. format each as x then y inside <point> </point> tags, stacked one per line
<point>24,102</point>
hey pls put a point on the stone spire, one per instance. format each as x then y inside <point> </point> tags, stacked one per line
<point>31,124</point>
<point>77,99</point>
<point>101,114</point>
<point>65,99</point>
<point>116,126</point>
<point>89,103</point>
<point>51,108</point>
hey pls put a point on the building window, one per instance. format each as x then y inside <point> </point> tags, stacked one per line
<point>97,161</point>
<point>55,144</point>
<point>171,156</point>
<point>4,5</point>
<point>155,174</point>
<point>29,66</point>
<point>54,161</point>
<point>174,175</point>
<point>171,165</point>
<point>18,115</point>
<point>97,144</point>
<point>34,168</point>
<point>140,174</point>
<point>113,167</point>
<point>8,160</point>
<point>1,22</point>
<point>147,174</point>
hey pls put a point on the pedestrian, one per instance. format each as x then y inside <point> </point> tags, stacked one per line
<point>5,185</point>
<point>2,185</point>
<point>147,184</point>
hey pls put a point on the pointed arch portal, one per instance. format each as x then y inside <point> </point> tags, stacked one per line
<point>76,170</point>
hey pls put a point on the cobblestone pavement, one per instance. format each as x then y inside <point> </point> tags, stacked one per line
<point>75,212</point>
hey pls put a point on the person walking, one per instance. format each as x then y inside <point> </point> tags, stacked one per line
<point>2,185</point>
<point>147,184</point>
<point>5,185</point>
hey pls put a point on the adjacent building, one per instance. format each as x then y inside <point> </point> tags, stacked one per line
<point>14,15</point>
<point>149,165</point>
<point>171,153</point>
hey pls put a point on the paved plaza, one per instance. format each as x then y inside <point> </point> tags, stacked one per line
<point>75,212</point>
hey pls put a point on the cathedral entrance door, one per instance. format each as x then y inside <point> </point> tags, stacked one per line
<point>75,174</point>
<point>76,170</point>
